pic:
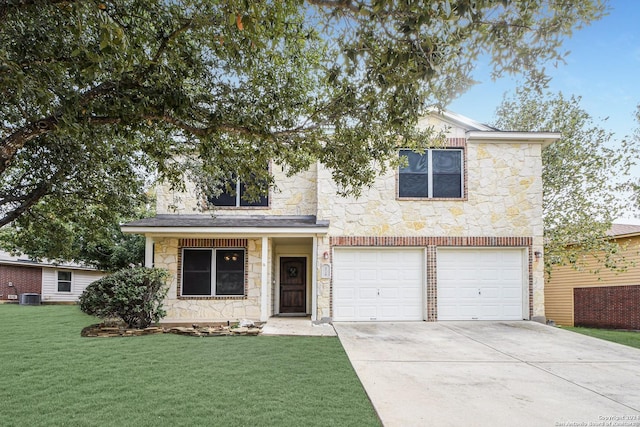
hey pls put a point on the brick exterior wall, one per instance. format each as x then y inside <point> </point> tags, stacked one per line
<point>613,307</point>
<point>24,279</point>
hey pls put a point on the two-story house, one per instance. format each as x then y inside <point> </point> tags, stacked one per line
<point>453,234</point>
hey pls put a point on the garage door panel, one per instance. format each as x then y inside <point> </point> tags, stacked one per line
<point>487,292</point>
<point>346,293</point>
<point>345,275</point>
<point>447,294</point>
<point>367,293</point>
<point>463,309</point>
<point>514,310</point>
<point>389,293</point>
<point>388,284</point>
<point>389,275</point>
<point>366,275</point>
<point>512,293</point>
<point>489,274</point>
<point>366,312</point>
<point>411,294</point>
<point>345,311</point>
<point>470,292</point>
<point>412,275</point>
<point>482,284</point>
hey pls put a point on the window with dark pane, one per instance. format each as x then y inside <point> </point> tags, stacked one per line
<point>414,175</point>
<point>244,200</point>
<point>64,281</point>
<point>227,196</point>
<point>447,173</point>
<point>233,193</point>
<point>230,272</point>
<point>196,272</point>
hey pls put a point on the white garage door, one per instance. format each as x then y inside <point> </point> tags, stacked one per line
<point>378,284</point>
<point>480,284</point>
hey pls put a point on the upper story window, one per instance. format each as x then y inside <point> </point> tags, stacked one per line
<point>436,173</point>
<point>233,194</point>
<point>64,281</point>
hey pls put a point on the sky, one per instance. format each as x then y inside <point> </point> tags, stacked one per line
<point>603,68</point>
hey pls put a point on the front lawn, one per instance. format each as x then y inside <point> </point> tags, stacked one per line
<point>52,376</point>
<point>629,338</point>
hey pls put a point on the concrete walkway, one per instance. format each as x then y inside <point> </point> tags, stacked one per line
<point>493,374</point>
<point>296,326</point>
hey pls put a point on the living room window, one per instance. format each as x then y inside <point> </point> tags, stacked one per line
<point>436,173</point>
<point>64,281</point>
<point>213,272</point>
<point>233,194</point>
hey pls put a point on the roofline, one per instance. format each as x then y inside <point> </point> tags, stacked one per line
<point>35,264</point>
<point>239,231</point>
<point>544,138</point>
<point>612,237</point>
<point>625,235</point>
<point>463,121</point>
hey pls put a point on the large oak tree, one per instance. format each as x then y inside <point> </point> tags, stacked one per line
<point>96,95</point>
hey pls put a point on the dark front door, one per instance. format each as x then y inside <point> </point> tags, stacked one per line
<point>293,284</point>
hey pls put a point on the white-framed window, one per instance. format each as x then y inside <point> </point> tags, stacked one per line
<point>436,173</point>
<point>213,272</point>
<point>64,281</point>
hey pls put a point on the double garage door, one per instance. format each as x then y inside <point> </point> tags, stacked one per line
<point>390,284</point>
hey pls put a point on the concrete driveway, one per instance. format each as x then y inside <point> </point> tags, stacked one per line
<point>493,374</point>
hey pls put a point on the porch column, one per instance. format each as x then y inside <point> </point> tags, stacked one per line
<point>148,251</point>
<point>264,282</point>
<point>314,279</point>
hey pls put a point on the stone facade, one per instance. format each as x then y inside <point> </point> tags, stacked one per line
<point>282,201</point>
<point>502,201</point>
<point>197,309</point>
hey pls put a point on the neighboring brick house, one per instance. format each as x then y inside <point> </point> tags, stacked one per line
<point>457,234</point>
<point>55,283</point>
<point>605,300</point>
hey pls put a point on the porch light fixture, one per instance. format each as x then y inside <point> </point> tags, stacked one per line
<point>232,257</point>
<point>537,254</point>
<point>325,255</point>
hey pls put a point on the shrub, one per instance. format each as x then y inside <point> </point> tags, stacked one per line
<point>134,295</point>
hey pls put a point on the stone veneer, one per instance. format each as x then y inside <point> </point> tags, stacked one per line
<point>502,199</point>
<point>282,201</point>
<point>183,309</point>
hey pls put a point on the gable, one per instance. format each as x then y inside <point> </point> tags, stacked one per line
<point>452,124</point>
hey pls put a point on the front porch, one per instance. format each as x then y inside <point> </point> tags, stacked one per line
<point>297,326</point>
<point>226,270</point>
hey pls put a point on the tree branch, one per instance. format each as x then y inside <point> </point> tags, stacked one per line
<point>29,200</point>
<point>14,142</point>
<point>336,4</point>
<point>18,139</point>
<point>167,39</point>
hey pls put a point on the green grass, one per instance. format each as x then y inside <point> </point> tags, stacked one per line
<point>53,377</point>
<point>630,338</point>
